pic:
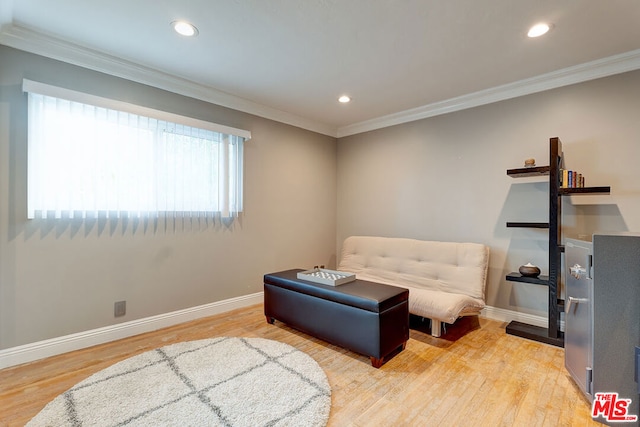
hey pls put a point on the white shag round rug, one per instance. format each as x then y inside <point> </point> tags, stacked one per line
<point>213,382</point>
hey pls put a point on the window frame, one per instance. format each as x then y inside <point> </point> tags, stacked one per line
<point>227,133</point>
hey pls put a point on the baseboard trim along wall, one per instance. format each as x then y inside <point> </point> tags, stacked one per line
<point>502,315</point>
<point>52,347</point>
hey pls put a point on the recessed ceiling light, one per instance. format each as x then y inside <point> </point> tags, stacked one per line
<point>184,28</point>
<point>344,99</point>
<point>539,30</point>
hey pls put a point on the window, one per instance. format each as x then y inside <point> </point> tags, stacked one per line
<point>90,156</point>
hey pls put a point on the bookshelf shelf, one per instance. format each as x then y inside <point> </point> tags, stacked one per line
<point>528,224</point>
<point>517,277</point>
<point>526,172</point>
<point>584,190</point>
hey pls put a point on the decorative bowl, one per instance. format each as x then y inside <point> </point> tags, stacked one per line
<point>529,270</point>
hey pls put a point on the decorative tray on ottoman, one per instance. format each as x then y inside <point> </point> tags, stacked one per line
<point>327,277</point>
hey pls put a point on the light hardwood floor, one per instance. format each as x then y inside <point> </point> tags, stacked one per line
<point>475,375</point>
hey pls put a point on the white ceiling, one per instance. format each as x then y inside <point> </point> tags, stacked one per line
<point>291,59</point>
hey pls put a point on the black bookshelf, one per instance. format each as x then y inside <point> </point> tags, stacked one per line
<point>552,334</point>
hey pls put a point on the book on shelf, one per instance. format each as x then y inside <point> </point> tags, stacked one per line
<point>571,179</point>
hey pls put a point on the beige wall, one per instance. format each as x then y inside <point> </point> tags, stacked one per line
<point>61,277</point>
<point>441,178</point>
<point>444,178</point>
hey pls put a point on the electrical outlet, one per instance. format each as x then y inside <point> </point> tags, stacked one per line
<point>119,308</point>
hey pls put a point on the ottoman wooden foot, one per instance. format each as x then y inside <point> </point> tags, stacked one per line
<point>376,363</point>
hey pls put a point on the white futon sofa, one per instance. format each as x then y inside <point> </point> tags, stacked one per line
<point>446,280</point>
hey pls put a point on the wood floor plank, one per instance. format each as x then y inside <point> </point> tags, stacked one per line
<point>475,374</point>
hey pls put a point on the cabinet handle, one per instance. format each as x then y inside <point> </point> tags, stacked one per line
<point>576,301</point>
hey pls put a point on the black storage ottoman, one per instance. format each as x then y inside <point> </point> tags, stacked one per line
<point>366,317</point>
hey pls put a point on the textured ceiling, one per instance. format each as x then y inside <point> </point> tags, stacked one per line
<point>298,56</point>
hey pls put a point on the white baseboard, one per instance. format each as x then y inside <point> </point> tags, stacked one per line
<point>504,315</point>
<point>51,347</point>
<point>41,349</point>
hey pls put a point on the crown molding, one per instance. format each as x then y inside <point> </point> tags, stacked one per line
<point>34,42</point>
<point>616,64</point>
<point>51,47</point>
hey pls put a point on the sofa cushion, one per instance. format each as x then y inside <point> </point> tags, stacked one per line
<point>443,306</point>
<point>450,267</point>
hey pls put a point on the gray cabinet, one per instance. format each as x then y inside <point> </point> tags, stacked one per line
<point>602,324</point>
<point>616,315</point>
<point>578,317</point>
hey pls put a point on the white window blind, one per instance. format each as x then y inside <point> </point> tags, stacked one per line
<point>90,156</point>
